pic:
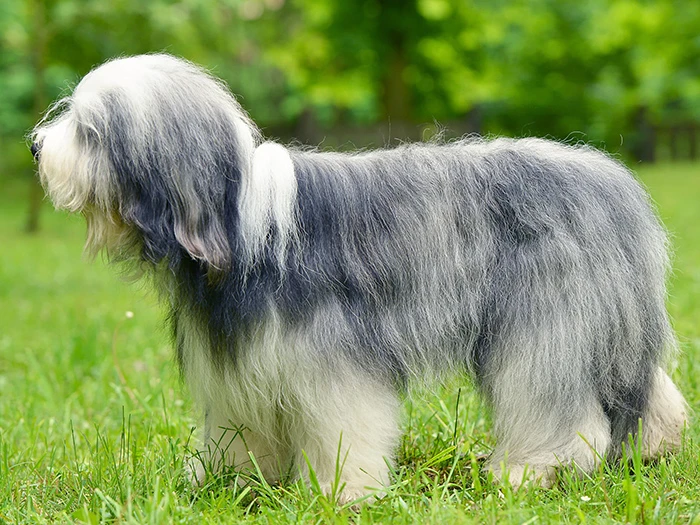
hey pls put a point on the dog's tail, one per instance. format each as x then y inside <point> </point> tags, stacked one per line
<point>639,337</point>
<point>629,379</point>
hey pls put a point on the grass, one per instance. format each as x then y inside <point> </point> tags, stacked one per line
<point>94,423</point>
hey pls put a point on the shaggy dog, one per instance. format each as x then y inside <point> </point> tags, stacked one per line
<point>308,290</point>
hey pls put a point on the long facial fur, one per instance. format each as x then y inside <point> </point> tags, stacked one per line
<point>121,148</point>
<point>536,266</point>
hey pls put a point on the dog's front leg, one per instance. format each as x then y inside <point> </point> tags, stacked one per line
<point>348,435</point>
<point>230,444</point>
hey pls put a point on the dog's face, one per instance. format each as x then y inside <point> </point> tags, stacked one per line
<point>150,149</point>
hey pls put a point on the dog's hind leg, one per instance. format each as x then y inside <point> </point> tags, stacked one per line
<point>229,444</point>
<point>347,431</point>
<point>546,414</point>
<point>531,447</point>
<point>664,419</point>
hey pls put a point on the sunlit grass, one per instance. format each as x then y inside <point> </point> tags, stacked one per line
<point>94,423</point>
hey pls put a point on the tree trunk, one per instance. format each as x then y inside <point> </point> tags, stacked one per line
<point>397,16</point>
<point>644,148</point>
<point>692,138</point>
<point>40,37</point>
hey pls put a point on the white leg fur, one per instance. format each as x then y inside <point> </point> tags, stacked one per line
<point>227,444</point>
<point>242,407</point>
<point>665,418</point>
<point>349,436</point>
<point>533,452</point>
<point>539,430</point>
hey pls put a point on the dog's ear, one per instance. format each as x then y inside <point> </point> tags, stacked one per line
<point>178,183</point>
<point>182,206</point>
<point>173,226</point>
<point>204,201</point>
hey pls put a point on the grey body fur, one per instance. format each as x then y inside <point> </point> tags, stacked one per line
<point>481,253</point>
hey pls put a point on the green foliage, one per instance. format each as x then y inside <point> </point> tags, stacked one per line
<point>94,424</point>
<point>602,69</point>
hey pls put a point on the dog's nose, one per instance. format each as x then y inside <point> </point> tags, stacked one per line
<point>35,149</point>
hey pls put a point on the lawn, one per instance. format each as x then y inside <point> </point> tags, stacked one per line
<point>94,422</point>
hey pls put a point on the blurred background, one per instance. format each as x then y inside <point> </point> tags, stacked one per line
<point>94,423</point>
<point>623,75</point>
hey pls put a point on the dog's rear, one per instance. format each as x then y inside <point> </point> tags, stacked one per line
<point>575,326</point>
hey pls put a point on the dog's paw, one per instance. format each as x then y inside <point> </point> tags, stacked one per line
<point>353,496</point>
<point>544,476</point>
<point>195,472</point>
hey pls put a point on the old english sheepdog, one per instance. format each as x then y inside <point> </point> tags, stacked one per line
<point>308,290</point>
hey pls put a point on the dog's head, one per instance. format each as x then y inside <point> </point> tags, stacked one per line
<point>151,149</point>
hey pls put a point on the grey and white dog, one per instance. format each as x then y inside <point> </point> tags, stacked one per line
<point>308,290</point>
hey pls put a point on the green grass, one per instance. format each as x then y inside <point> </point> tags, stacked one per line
<point>94,423</point>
